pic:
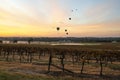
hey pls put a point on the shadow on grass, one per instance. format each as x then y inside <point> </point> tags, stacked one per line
<point>83,76</point>
<point>66,73</point>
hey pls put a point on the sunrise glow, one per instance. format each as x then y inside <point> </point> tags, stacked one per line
<point>39,18</point>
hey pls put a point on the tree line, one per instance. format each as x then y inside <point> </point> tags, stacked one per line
<point>62,39</point>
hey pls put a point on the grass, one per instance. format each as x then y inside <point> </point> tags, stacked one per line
<point>11,71</point>
<point>9,76</point>
<point>97,65</point>
<point>89,69</point>
<point>17,76</point>
<point>114,66</point>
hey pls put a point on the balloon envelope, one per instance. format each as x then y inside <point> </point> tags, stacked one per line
<point>65,30</point>
<point>58,28</point>
<point>69,18</point>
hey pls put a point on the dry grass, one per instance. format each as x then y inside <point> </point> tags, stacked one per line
<point>29,71</point>
<point>90,72</point>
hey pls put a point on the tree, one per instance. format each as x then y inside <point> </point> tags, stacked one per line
<point>1,41</point>
<point>30,40</point>
<point>15,41</point>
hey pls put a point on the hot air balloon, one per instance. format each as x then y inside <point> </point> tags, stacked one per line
<point>58,28</point>
<point>67,33</point>
<point>69,18</point>
<point>72,10</point>
<point>65,30</point>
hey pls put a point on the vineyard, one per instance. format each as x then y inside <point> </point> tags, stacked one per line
<point>68,60</point>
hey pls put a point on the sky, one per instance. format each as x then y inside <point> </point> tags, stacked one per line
<point>40,18</point>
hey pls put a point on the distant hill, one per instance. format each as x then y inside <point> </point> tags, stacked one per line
<point>63,39</point>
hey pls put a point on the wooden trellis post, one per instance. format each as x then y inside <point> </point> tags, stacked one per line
<point>50,62</point>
